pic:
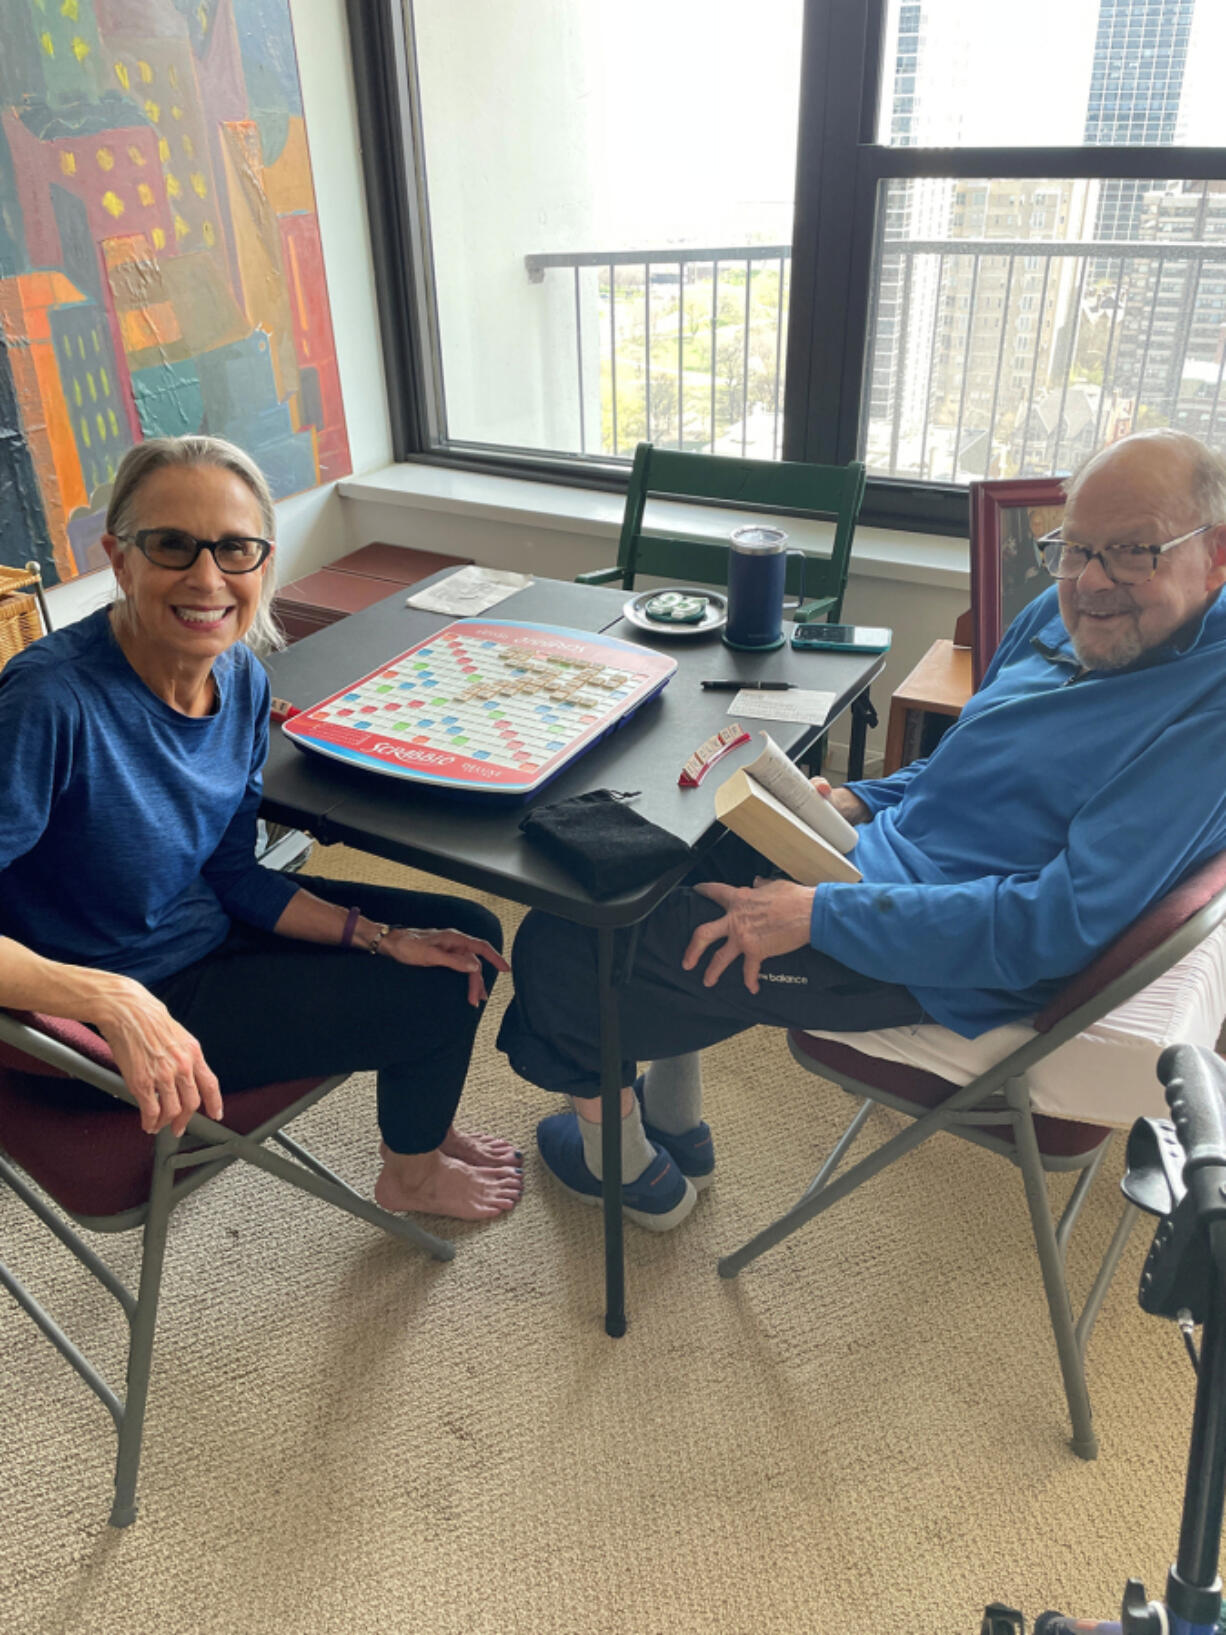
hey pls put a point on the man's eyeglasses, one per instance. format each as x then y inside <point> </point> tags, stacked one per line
<point>172,548</point>
<point>1122,564</point>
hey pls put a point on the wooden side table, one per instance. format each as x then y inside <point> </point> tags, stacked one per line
<point>355,582</point>
<point>927,703</point>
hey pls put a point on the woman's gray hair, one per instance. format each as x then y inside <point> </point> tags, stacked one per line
<point>155,454</point>
<point>1197,473</point>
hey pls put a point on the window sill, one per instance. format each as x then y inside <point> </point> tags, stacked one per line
<point>878,553</point>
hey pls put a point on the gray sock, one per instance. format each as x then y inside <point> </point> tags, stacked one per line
<point>637,1151</point>
<point>672,1093</point>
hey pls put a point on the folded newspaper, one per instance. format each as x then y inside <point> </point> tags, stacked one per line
<point>469,590</point>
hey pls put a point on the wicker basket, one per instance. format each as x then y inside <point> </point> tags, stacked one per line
<point>21,620</point>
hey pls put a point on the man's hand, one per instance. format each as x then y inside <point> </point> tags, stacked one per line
<point>160,1061</point>
<point>844,802</point>
<point>760,923</point>
<point>451,948</point>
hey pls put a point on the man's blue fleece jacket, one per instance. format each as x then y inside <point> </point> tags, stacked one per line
<point>1055,810</point>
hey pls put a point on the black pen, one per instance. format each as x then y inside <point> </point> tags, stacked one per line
<point>747,686</point>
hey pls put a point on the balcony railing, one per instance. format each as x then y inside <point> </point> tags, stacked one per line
<point>985,357</point>
<point>996,357</point>
<point>680,347</point>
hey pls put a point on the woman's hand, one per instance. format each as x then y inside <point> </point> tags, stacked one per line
<point>451,948</point>
<point>160,1061</point>
<point>762,923</point>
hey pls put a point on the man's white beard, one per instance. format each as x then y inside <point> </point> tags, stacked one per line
<point>1126,649</point>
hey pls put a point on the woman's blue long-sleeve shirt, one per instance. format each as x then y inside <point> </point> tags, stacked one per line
<point>127,830</point>
<point>1055,810</point>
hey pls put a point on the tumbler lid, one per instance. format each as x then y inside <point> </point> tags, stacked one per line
<point>758,539</point>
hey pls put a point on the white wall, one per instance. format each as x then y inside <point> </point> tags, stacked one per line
<point>310,526</point>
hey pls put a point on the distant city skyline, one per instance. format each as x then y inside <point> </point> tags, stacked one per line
<point>973,356</point>
<point>968,350</point>
<point>1002,364</point>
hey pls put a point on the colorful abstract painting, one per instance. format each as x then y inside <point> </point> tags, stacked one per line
<point>160,260</point>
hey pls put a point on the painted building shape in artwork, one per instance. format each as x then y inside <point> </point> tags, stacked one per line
<point>160,263</point>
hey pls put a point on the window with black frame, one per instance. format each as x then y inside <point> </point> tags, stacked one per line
<point>955,240</point>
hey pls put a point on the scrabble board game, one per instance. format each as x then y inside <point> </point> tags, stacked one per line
<point>494,707</point>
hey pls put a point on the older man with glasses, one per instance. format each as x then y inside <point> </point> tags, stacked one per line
<point>1082,781</point>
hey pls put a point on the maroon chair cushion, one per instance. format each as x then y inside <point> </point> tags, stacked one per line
<point>1141,938</point>
<point>1057,1137</point>
<point>76,1035</point>
<point>82,1146</point>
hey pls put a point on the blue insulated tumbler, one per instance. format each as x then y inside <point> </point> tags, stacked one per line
<point>757,566</point>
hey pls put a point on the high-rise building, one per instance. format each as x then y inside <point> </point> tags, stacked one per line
<point>1171,333</point>
<point>1006,319</point>
<point>897,224</point>
<point>1136,80</point>
<point>1169,305</point>
<point>908,288</point>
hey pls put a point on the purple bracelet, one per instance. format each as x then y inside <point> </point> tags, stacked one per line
<point>351,925</point>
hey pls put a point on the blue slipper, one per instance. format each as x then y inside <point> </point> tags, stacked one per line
<point>658,1199</point>
<point>693,1151</point>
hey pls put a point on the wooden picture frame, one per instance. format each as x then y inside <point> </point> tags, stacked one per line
<point>1008,515</point>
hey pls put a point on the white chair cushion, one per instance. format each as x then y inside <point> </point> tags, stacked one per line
<point>1106,1075</point>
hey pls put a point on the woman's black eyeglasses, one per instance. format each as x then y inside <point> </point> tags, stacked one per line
<point>172,548</point>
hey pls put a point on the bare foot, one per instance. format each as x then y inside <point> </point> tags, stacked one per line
<point>472,1147</point>
<point>435,1184</point>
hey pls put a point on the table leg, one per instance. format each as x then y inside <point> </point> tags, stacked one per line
<point>863,716</point>
<point>611,1144</point>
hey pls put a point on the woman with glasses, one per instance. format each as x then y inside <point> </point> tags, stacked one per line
<point>130,895</point>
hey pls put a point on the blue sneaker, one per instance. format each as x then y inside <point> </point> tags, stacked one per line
<point>693,1151</point>
<point>658,1199</point>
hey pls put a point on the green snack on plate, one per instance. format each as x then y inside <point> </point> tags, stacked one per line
<point>672,607</point>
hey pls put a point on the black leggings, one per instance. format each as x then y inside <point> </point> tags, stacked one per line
<point>267,1008</point>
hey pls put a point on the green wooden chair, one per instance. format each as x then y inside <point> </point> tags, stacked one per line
<point>778,487</point>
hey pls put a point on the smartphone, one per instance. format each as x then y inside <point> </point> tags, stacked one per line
<point>842,638</point>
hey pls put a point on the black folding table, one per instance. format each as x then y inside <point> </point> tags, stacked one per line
<point>475,839</point>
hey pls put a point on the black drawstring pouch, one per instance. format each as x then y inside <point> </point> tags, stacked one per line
<point>606,845</point>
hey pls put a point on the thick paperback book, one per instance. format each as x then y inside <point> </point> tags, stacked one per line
<point>774,807</point>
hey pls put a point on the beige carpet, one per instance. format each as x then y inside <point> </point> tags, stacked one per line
<point>865,1432</point>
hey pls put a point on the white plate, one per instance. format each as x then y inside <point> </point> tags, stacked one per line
<point>713,619</point>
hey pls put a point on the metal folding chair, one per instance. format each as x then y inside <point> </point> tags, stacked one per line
<point>994,1110</point>
<point>69,1133</point>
